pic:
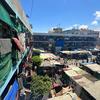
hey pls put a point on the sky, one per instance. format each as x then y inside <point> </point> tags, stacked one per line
<point>45,14</point>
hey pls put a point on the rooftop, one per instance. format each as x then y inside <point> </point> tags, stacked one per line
<point>63,97</point>
<point>85,80</point>
<point>49,60</point>
<point>94,67</point>
<point>76,51</point>
<point>47,55</point>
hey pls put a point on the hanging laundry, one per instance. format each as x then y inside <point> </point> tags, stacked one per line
<point>22,39</point>
<point>18,43</point>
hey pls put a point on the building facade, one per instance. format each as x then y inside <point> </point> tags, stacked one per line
<point>66,40</point>
<point>13,50</point>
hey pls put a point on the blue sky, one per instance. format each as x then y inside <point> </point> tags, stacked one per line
<point>45,14</point>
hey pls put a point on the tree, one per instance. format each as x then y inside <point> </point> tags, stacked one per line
<point>36,61</point>
<point>40,85</point>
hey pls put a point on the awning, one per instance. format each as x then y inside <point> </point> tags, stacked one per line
<point>4,16</point>
<point>11,95</point>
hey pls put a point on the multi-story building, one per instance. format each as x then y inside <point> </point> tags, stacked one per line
<point>13,51</point>
<point>66,40</point>
<point>98,43</point>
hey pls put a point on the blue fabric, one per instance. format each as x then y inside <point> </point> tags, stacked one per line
<point>11,95</point>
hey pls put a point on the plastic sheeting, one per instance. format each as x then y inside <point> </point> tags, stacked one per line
<point>4,16</point>
<point>11,95</point>
<point>5,67</point>
<point>4,59</point>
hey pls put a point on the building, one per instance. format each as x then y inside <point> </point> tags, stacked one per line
<point>66,40</point>
<point>98,43</point>
<point>55,30</point>
<point>13,50</point>
<point>98,59</point>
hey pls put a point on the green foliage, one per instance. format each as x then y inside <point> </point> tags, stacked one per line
<point>36,60</point>
<point>40,85</point>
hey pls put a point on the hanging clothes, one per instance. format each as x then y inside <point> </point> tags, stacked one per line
<point>5,46</point>
<point>22,39</point>
<point>19,45</point>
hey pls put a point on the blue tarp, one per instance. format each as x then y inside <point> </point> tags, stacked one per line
<point>11,95</point>
<point>60,43</point>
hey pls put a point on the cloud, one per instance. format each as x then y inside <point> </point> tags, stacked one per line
<point>68,28</point>
<point>83,26</point>
<point>95,22</point>
<point>97,15</point>
<point>77,26</point>
<point>96,19</point>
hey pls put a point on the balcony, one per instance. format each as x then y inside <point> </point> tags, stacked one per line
<point>12,72</point>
